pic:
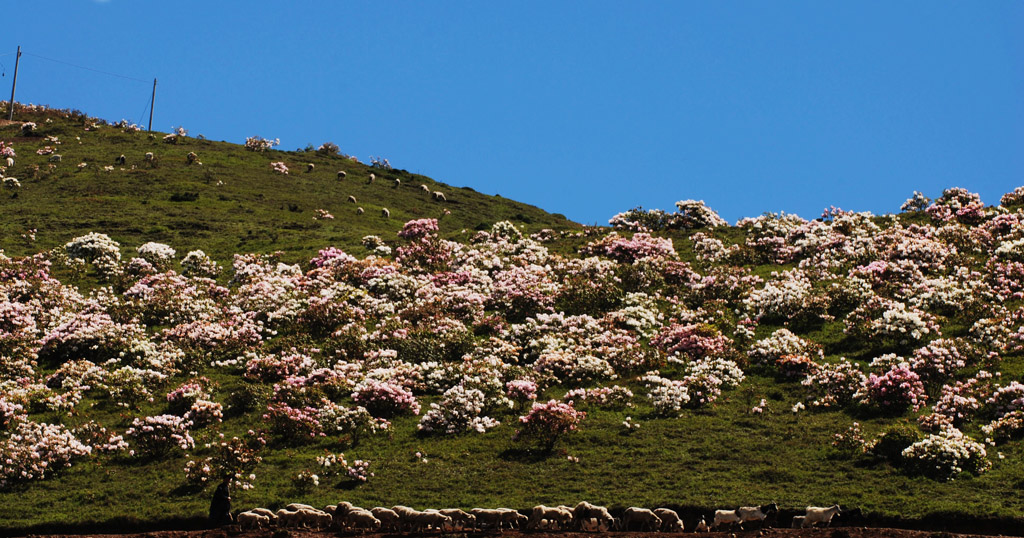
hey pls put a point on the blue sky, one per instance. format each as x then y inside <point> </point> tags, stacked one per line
<point>581,108</point>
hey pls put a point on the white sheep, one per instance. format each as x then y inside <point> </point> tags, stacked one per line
<point>287,518</point>
<point>670,521</point>
<point>55,158</point>
<point>460,520</point>
<point>817,514</point>
<point>295,507</point>
<point>357,518</point>
<point>556,516</point>
<point>798,522</point>
<point>389,519</point>
<point>487,517</point>
<point>317,519</point>
<point>360,211</point>
<point>701,526</point>
<point>385,213</point>
<point>584,510</point>
<point>646,519</point>
<point>424,188</point>
<point>121,160</point>
<point>398,182</point>
<point>370,180</point>
<point>309,167</point>
<point>251,520</point>
<point>594,525</point>
<point>351,198</point>
<point>342,174</point>
<point>149,156</point>
<point>10,162</point>
<point>439,196</point>
<point>732,517</point>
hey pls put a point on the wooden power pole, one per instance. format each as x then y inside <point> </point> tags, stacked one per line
<point>14,85</point>
<point>152,101</point>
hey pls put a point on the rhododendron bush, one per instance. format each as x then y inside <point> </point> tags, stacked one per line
<point>908,318</point>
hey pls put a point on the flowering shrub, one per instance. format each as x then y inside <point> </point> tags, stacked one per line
<point>279,167</point>
<point>895,390</point>
<point>359,471</point>
<point>947,454</point>
<point>158,435</point>
<point>834,385</point>
<point>98,249</point>
<point>613,397</point>
<point>36,451</point>
<point>460,410</point>
<point>1006,427</point>
<point>305,481</point>
<point>546,422</point>
<point>521,390</point>
<point>1013,198</point>
<point>886,320</point>
<point>234,459</point>
<point>692,341</point>
<point>669,397</point>
<point>255,143</point>
<point>158,254</point>
<point>1007,399</point>
<point>623,250</point>
<point>917,202</point>
<point>385,399</point>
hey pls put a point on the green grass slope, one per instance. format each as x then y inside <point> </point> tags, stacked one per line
<point>233,202</point>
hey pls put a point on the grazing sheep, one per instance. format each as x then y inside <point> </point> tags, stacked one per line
<point>309,167</point>
<point>421,521</point>
<point>670,521</point>
<point>357,518</point>
<point>798,522</point>
<point>756,513</point>
<point>10,162</point>
<point>585,510</point>
<point>342,174</point>
<point>817,514</point>
<point>557,517</point>
<point>701,526</point>
<point>264,512</point>
<point>732,517</point>
<point>647,519</point>
<point>295,507</point>
<point>121,160</point>
<point>360,211</point>
<point>460,520</point>
<point>424,188</point>
<point>55,158</point>
<point>487,517</point>
<point>251,520</point>
<point>389,519</point>
<point>287,518</point>
<point>439,196</point>
<point>351,198</point>
<point>385,213</point>
<point>149,157</point>
<point>370,180</point>
<point>398,182</point>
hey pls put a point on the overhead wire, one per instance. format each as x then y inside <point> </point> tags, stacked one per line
<point>84,67</point>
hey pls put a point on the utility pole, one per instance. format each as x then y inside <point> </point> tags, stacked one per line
<point>14,84</point>
<point>152,101</point>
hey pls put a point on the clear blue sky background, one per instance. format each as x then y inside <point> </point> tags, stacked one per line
<point>581,108</point>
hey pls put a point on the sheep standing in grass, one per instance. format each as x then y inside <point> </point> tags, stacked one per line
<point>121,160</point>
<point>425,188</point>
<point>389,519</point>
<point>398,182</point>
<point>385,213</point>
<point>352,199</point>
<point>370,180</point>
<point>10,162</point>
<point>342,174</point>
<point>439,196</point>
<point>55,158</point>
<point>360,211</point>
<point>192,158</point>
<point>251,520</point>
<point>670,521</point>
<point>642,517</point>
<point>149,157</point>
<point>309,167</point>
<point>701,526</point>
<point>817,514</point>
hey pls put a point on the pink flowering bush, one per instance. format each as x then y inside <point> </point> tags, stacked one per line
<point>35,451</point>
<point>896,390</point>
<point>385,399</point>
<point>638,247</point>
<point>834,384</point>
<point>547,422</point>
<point>521,390</point>
<point>691,341</point>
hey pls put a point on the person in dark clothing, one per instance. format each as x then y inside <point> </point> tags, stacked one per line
<point>220,506</point>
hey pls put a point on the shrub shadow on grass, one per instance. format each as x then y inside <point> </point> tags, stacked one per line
<point>525,455</point>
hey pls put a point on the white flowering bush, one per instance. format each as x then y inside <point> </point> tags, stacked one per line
<point>669,397</point>
<point>158,435</point>
<point>158,254</point>
<point>98,249</point>
<point>260,145</point>
<point>946,454</point>
<point>35,451</point>
<point>460,410</point>
<point>197,264</point>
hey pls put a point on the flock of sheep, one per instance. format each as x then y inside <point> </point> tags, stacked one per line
<point>384,212</point>
<point>582,517</point>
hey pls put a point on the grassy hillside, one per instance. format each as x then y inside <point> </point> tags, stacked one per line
<point>232,202</point>
<point>742,352</point>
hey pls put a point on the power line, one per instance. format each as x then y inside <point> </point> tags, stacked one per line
<point>85,68</point>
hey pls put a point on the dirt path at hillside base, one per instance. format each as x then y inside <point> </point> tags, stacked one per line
<point>836,532</point>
